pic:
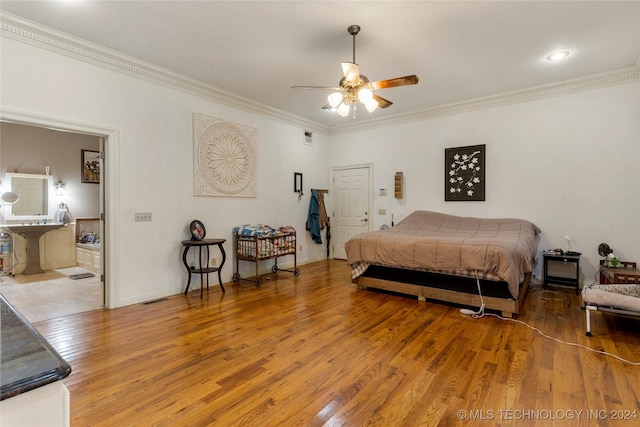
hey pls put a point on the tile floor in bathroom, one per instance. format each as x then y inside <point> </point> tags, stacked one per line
<point>52,294</point>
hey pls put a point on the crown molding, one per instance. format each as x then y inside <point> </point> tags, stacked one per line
<point>26,31</point>
<point>23,30</point>
<point>595,81</point>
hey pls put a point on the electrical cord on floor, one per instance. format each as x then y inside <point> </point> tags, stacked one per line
<point>540,292</point>
<point>480,313</point>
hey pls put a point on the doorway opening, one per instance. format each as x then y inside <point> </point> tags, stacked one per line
<point>68,285</point>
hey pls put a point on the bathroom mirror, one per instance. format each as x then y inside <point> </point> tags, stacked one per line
<point>35,197</point>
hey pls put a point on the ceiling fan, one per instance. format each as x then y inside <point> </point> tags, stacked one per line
<point>355,87</point>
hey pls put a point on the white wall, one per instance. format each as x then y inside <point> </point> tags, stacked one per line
<point>568,163</point>
<point>151,149</point>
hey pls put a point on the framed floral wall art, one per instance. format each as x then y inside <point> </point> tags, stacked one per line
<point>464,174</point>
<point>225,157</point>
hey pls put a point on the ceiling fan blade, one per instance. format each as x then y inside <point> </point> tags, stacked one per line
<point>327,107</point>
<point>399,81</point>
<point>382,103</point>
<point>317,87</point>
<point>351,72</point>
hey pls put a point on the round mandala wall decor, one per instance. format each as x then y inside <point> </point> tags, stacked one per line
<point>224,158</point>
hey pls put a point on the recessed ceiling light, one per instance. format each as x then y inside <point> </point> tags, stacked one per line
<point>559,55</point>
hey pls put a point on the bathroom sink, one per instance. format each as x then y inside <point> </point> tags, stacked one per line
<point>32,233</point>
<point>32,228</point>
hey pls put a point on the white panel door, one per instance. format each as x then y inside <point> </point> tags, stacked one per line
<point>351,206</point>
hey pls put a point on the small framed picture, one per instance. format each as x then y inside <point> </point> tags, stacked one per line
<point>297,182</point>
<point>198,232</point>
<point>90,167</point>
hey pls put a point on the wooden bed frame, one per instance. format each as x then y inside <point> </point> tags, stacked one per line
<point>507,306</point>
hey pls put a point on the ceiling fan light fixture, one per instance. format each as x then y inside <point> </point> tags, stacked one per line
<point>372,105</point>
<point>343,110</point>
<point>335,99</point>
<point>355,87</point>
<point>365,95</point>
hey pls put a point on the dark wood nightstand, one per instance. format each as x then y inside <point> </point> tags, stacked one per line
<point>572,280</point>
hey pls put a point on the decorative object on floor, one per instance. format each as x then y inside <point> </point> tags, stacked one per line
<point>354,87</point>
<point>81,276</point>
<point>90,166</point>
<point>198,232</point>
<point>259,242</point>
<point>225,158</point>
<point>464,173</point>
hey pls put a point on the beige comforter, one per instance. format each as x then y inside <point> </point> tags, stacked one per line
<point>424,240</point>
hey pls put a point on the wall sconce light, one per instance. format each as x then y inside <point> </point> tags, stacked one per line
<point>59,189</point>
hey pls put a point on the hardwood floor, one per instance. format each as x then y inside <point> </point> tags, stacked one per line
<point>314,350</point>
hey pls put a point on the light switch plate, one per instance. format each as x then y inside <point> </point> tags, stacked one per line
<point>142,216</point>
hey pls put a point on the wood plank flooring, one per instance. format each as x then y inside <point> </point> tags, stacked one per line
<point>315,351</point>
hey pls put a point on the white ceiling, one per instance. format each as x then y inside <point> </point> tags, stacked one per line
<point>461,50</point>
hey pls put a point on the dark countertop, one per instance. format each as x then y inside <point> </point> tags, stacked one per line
<point>28,360</point>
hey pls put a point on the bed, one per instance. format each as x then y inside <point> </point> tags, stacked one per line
<point>437,256</point>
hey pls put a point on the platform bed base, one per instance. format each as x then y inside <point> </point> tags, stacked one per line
<point>507,306</point>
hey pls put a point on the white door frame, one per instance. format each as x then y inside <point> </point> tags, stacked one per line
<point>334,195</point>
<point>109,183</point>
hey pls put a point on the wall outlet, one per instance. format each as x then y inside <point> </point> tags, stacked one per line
<point>142,216</point>
<point>213,261</point>
<point>382,211</point>
<point>300,248</point>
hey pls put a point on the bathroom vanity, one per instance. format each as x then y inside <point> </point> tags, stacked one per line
<point>41,247</point>
<point>39,242</point>
<point>32,234</point>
